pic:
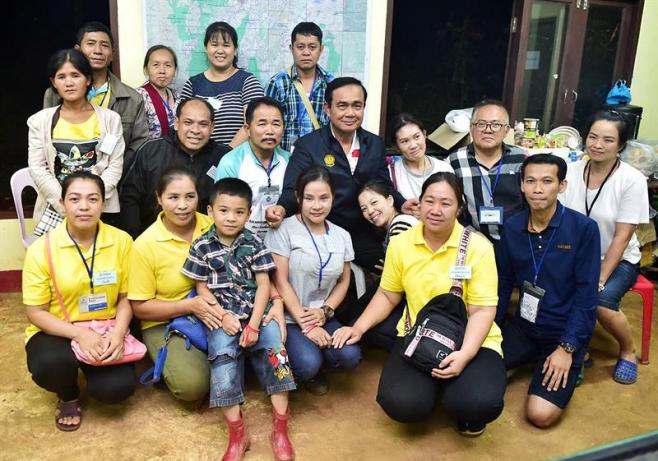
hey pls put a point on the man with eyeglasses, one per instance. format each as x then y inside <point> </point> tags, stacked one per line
<point>490,171</point>
<point>300,88</point>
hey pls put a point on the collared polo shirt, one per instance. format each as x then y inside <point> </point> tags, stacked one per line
<point>155,261</point>
<point>112,253</point>
<point>229,270</point>
<point>242,163</point>
<point>569,273</point>
<point>507,193</point>
<point>413,268</point>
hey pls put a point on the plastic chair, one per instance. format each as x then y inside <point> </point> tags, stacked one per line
<point>645,288</point>
<point>19,181</point>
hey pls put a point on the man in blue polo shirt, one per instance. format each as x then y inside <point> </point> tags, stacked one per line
<point>553,254</point>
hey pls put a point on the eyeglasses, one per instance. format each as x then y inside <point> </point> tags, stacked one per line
<point>493,126</point>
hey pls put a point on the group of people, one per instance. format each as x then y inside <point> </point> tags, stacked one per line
<point>249,208</point>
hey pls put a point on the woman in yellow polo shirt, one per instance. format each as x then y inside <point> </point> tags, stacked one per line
<point>159,291</point>
<point>89,257</point>
<point>471,380</point>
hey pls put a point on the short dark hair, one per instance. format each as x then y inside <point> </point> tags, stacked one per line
<point>310,174</point>
<point>93,26</point>
<point>84,176</point>
<point>401,120</point>
<point>379,187</point>
<point>546,159</point>
<point>306,28</point>
<point>341,82</point>
<point>183,103</point>
<point>75,57</point>
<point>609,115</point>
<point>261,101</point>
<point>489,102</point>
<point>155,48</point>
<point>451,179</point>
<point>225,31</point>
<point>172,173</point>
<point>231,186</point>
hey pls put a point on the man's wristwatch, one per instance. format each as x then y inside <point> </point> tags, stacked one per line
<point>328,312</point>
<point>568,348</point>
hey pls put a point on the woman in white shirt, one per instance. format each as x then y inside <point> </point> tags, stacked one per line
<point>410,171</point>
<point>614,194</point>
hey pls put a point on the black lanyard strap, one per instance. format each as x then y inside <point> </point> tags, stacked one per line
<point>90,270</point>
<point>588,167</point>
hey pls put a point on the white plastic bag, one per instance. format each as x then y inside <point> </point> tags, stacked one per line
<point>641,156</point>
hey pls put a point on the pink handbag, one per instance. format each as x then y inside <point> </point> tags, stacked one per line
<point>133,349</point>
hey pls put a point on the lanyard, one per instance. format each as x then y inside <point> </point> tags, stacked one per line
<point>548,246</point>
<point>322,264</point>
<point>90,270</point>
<point>486,182</point>
<point>268,170</point>
<point>588,207</point>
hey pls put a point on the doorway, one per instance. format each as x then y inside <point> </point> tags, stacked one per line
<point>566,56</point>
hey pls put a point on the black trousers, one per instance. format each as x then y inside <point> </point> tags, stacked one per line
<point>54,367</point>
<point>475,396</point>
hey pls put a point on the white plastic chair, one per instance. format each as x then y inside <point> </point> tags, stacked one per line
<point>19,181</point>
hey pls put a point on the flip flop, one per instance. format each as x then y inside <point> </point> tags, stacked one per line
<point>68,409</point>
<point>625,372</point>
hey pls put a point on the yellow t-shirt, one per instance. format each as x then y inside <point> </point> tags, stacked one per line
<point>85,131</point>
<point>155,263</point>
<point>110,266</point>
<point>76,145</point>
<point>102,99</point>
<point>413,268</point>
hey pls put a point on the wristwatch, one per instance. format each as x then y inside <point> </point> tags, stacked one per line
<point>568,348</point>
<point>328,312</point>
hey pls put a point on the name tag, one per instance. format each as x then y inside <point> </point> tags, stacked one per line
<point>269,195</point>
<point>491,215</point>
<point>316,298</point>
<point>460,272</point>
<point>108,144</point>
<point>212,172</point>
<point>105,278</point>
<point>92,303</point>
<point>530,300</point>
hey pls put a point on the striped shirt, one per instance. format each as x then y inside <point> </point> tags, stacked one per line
<point>296,118</point>
<point>507,193</point>
<point>229,270</point>
<point>229,99</point>
<point>399,224</point>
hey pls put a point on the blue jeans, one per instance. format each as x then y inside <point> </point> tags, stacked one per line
<point>306,358</point>
<point>620,281</point>
<point>268,357</point>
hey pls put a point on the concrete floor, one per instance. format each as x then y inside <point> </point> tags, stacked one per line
<point>347,423</point>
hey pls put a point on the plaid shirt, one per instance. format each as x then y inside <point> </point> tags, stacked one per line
<point>296,119</point>
<point>507,193</point>
<point>229,270</point>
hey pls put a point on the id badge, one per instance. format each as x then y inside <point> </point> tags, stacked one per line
<point>317,297</point>
<point>491,215</point>
<point>269,195</point>
<point>460,272</point>
<point>212,172</point>
<point>108,143</point>
<point>105,278</point>
<point>530,300</point>
<point>92,303</point>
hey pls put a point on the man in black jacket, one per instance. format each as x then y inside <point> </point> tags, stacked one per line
<point>353,157</point>
<point>190,146</point>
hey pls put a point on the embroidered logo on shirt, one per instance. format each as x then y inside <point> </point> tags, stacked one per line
<point>329,160</point>
<point>563,246</point>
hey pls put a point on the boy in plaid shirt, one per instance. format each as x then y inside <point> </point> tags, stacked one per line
<point>232,264</point>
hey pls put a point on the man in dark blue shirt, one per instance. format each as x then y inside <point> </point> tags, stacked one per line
<point>552,253</point>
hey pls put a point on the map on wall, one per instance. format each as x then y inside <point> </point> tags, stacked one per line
<point>263,28</point>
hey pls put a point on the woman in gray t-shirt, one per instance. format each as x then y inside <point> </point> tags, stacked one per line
<point>312,257</point>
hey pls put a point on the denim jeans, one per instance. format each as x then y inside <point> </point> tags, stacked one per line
<point>306,358</point>
<point>620,281</point>
<point>268,357</point>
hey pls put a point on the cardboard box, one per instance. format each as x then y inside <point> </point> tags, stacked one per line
<point>446,138</point>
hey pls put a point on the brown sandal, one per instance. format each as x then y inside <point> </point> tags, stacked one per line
<point>67,410</point>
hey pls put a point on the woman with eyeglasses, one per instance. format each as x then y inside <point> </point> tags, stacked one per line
<point>614,194</point>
